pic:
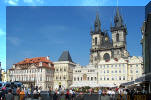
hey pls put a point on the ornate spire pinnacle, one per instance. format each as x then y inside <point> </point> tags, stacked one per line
<point>118,21</point>
<point>97,23</point>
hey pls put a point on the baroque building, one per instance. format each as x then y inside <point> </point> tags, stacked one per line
<point>37,71</point>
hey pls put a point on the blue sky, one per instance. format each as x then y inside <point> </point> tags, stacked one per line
<point>66,32</point>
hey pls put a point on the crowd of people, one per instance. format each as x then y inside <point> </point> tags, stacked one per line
<point>21,93</point>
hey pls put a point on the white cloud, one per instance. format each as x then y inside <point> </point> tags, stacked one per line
<point>12,2</point>
<point>33,2</point>
<point>2,33</point>
<point>94,2</point>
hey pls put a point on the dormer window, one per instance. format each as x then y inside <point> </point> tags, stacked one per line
<point>40,63</point>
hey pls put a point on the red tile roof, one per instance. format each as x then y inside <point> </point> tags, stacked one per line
<point>36,61</point>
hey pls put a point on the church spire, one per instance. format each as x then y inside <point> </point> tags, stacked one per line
<point>97,23</point>
<point>118,21</point>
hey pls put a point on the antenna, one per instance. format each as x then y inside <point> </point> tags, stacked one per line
<point>117,3</point>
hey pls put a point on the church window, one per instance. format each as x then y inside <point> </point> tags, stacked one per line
<point>106,56</point>
<point>95,40</point>
<point>117,37</point>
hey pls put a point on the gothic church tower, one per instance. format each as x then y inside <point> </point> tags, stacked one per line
<point>119,32</point>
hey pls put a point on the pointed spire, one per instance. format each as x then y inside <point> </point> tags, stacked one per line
<point>118,21</point>
<point>97,23</point>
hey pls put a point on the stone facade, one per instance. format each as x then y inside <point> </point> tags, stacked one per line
<point>105,48</point>
<point>63,71</point>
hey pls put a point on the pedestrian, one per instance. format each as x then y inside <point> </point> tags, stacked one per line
<point>22,94</point>
<point>67,95</point>
<point>55,96</point>
<point>100,93</point>
<point>9,96</point>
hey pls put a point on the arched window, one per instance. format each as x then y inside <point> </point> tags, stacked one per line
<point>95,40</point>
<point>117,37</point>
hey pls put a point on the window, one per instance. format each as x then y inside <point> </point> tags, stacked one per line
<point>95,40</point>
<point>112,78</point>
<point>40,78</point>
<point>88,78</point>
<point>112,71</point>
<point>81,78</point>
<point>104,78</point>
<point>60,77</point>
<point>136,71</point>
<point>107,71</point>
<point>74,79</point>
<point>119,77</point>
<point>78,78</point>
<point>65,70</point>
<point>57,70</point>
<point>107,66</point>
<point>95,78</point>
<point>131,78</point>
<point>117,37</point>
<point>91,78</point>
<point>123,77</point>
<point>101,78</point>
<point>131,71</point>
<point>64,77</point>
<point>115,71</point>
<point>56,78</point>
<point>61,70</point>
<point>104,71</point>
<point>107,78</point>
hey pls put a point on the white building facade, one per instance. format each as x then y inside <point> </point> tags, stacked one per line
<point>113,72</point>
<point>37,71</point>
<point>63,71</point>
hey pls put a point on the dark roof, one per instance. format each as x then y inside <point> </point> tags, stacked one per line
<point>65,56</point>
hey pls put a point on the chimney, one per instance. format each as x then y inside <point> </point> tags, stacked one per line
<point>47,57</point>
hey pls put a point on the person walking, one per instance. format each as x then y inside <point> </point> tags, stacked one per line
<point>100,93</point>
<point>9,96</point>
<point>22,94</point>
